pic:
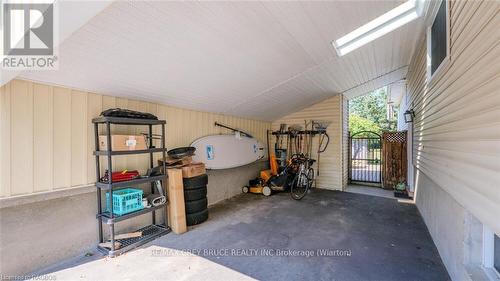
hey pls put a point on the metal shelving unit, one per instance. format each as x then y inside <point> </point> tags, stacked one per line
<point>149,232</point>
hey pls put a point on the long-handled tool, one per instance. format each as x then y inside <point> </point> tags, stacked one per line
<point>233,129</point>
<point>321,126</point>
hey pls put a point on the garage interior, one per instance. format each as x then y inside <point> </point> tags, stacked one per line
<point>261,90</point>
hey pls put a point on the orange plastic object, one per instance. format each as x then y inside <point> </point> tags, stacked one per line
<point>265,175</point>
<point>274,165</point>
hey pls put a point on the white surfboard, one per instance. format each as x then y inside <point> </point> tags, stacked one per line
<point>227,151</point>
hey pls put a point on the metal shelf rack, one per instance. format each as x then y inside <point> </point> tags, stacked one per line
<point>150,232</point>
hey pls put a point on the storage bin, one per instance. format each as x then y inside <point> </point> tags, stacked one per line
<point>125,201</point>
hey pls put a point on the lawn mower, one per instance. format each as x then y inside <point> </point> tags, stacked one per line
<point>270,180</point>
<point>264,183</point>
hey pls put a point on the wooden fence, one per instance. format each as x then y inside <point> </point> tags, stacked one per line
<point>395,158</point>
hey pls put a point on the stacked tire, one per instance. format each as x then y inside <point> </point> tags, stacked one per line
<point>195,199</point>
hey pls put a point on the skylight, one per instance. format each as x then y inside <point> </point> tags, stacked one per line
<point>378,27</point>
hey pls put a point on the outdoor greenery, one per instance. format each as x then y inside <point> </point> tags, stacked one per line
<point>358,124</point>
<point>369,113</point>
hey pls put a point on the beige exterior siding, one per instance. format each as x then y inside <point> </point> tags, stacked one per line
<point>331,175</point>
<point>345,142</point>
<point>47,137</point>
<point>457,126</point>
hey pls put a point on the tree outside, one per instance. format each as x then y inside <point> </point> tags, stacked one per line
<point>370,113</point>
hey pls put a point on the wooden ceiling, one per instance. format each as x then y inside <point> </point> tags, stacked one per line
<point>260,60</point>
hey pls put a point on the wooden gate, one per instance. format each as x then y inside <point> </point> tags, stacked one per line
<point>395,158</point>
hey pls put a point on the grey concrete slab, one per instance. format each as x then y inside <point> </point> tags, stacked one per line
<point>375,191</point>
<point>40,230</point>
<point>276,238</point>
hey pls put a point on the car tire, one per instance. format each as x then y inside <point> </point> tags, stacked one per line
<point>195,182</point>
<point>197,218</point>
<point>195,194</point>
<point>196,206</point>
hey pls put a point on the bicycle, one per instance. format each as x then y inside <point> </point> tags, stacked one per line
<point>304,176</point>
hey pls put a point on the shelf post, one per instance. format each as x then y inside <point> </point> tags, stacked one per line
<point>98,176</point>
<point>110,181</point>
<point>107,216</point>
<point>150,127</point>
<point>164,158</point>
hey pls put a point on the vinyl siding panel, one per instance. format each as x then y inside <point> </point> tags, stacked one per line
<point>94,108</point>
<point>47,137</point>
<point>331,169</point>
<point>345,142</point>
<point>5,151</point>
<point>78,138</point>
<point>62,138</point>
<point>21,137</point>
<point>42,137</point>
<point>457,125</point>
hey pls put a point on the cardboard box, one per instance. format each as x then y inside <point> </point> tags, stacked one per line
<point>176,212</point>
<point>123,142</point>
<point>193,170</point>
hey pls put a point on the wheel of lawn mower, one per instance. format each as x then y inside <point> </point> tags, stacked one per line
<point>196,206</point>
<point>244,189</point>
<point>197,218</point>
<point>195,182</point>
<point>195,194</point>
<point>266,190</point>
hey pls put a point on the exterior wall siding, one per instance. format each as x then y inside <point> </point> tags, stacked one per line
<point>47,137</point>
<point>345,142</point>
<point>331,171</point>
<point>456,140</point>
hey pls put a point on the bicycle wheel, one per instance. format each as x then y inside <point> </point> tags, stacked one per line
<point>310,176</point>
<point>300,186</point>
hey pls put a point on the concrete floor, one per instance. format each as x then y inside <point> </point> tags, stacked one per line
<point>370,190</point>
<point>251,236</point>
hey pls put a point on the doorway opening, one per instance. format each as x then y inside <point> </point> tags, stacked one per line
<point>366,158</point>
<point>370,116</point>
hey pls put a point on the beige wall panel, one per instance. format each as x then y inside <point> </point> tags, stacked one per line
<point>120,162</point>
<point>42,133</point>
<point>78,138</point>
<point>331,169</point>
<point>143,160</point>
<point>63,124</point>
<point>107,103</point>
<point>457,123</point>
<point>204,129</point>
<point>153,109</point>
<point>5,151</point>
<point>345,142</point>
<point>62,138</point>
<point>22,137</point>
<point>134,160</point>
<point>94,108</point>
<point>173,132</point>
<point>122,103</point>
<point>185,132</point>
